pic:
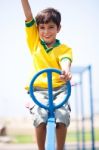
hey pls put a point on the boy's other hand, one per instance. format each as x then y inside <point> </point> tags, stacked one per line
<point>65,76</point>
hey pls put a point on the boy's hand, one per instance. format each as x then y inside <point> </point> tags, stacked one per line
<point>66,75</point>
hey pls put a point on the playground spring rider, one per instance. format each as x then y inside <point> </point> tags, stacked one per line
<point>50,138</point>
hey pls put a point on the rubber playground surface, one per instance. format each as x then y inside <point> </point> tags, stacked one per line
<point>69,146</point>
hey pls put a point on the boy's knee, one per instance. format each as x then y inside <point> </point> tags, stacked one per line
<point>42,125</point>
<point>60,125</point>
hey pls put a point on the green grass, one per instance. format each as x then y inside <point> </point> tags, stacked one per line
<point>23,139</point>
<point>71,137</point>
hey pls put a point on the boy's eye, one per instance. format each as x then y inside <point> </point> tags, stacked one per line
<point>42,28</point>
<point>51,27</point>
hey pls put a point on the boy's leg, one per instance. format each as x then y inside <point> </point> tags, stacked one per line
<point>61,132</point>
<point>41,136</point>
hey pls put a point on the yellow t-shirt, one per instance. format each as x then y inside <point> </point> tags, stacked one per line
<point>44,57</point>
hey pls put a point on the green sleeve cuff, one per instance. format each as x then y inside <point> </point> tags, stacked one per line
<point>30,23</point>
<point>64,58</point>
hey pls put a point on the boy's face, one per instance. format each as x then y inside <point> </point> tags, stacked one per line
<point>48,32</point>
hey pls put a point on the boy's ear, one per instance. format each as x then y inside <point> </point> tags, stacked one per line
<point>58,29</point>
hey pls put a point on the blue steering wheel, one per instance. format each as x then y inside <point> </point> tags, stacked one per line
<point>51,107</point>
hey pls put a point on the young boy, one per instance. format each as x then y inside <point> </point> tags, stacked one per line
<point>48,52</point>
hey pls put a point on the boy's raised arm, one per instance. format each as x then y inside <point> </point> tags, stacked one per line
<point>27,10</point>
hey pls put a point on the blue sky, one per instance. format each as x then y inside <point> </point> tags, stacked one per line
<point>80,30</point>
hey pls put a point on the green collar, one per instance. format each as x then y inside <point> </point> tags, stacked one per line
<point>57,43</point>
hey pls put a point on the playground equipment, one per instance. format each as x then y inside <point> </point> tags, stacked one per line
<point>80,72</point>
<point>50,138</point>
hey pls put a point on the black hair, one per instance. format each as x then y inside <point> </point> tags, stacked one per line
<point>47,15</point>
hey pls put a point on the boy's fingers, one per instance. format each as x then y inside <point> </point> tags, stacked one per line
<point>62,76</point>
<point>66,77</point>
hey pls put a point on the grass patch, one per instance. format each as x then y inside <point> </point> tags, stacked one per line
<point>23,139</point>
<point>71,137</point>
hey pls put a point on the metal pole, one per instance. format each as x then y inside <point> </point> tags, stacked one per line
<point>91,107</point>
<point>77,117</point>
<point>82,112</point>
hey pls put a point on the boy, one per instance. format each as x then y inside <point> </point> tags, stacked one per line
<point>48,52</point>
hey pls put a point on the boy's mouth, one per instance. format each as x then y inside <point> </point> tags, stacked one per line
<point>47,37</point>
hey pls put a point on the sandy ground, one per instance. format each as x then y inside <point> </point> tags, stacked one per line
<point>24,125</point>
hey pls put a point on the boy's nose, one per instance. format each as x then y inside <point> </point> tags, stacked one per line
<point>46,31</point>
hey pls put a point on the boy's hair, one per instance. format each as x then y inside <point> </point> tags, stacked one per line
<point>47,15</point>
